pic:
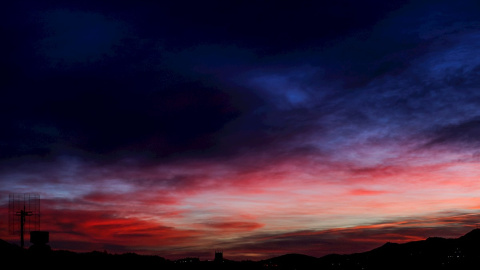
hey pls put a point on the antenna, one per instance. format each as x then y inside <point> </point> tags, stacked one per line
<point>23,214</point>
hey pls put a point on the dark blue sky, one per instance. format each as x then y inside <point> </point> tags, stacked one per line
<point>158,79</point>
<point>191,99</point>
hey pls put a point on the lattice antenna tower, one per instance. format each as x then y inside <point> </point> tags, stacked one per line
<point>23,214</point>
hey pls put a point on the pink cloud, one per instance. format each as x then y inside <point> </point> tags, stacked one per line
<point>234,226</point>
<point>366,192</point>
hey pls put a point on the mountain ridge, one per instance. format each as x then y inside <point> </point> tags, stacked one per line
<point>433,252</point>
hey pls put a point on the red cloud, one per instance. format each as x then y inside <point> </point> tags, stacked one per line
<point>74,229</point>
<point>237,226</point>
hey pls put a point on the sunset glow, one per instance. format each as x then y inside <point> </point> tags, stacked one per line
<point>154,129</point>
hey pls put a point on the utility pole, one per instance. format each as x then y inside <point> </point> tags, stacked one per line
<point>23,213</point>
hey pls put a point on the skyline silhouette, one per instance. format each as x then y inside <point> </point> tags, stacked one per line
<point>259,128</point>
<point>433,252</point>
<point>39,241</point>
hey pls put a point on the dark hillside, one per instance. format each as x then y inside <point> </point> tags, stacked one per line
<point>432,253</point>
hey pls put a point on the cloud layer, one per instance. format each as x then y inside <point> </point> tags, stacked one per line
<point>259,129</point>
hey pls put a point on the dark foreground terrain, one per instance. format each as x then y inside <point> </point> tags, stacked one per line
<point>432,253</point>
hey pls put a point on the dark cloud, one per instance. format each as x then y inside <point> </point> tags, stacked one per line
<point>158,80</point>
<point>465,134</point>
<point>265,26</point>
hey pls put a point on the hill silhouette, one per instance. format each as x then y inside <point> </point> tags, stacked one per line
<point>431,253</point>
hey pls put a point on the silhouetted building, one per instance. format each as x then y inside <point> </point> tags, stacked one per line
<point>218,256</point>
<point>39,239</point>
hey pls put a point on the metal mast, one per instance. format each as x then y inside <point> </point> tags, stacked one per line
<point>22,214</point>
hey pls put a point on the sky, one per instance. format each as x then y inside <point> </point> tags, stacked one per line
<point>259,128</point>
